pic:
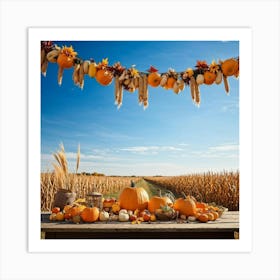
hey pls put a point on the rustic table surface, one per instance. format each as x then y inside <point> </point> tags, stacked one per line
<point>226,227</point>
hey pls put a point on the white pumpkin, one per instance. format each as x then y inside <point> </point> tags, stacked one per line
<point>123,217</point>
<point>123,211</point>
<point>103,216</point>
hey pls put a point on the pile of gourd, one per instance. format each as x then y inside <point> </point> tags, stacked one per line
<point>135,206</point>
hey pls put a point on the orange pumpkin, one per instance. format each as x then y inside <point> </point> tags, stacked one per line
<point>201,205</point>
<point>185,206</point>
<point>59,216</point>
<point>55,210</point>
<point>90,214</point>
<point>67,216</point>
<point>157,201</point>
<point>209,77</point>
<point>67,207</point>
<point>230,67</point>
<point>74,211</point>
<point>216,215</point>
<point>203,218</point>
<point>132,198</point>
<point>154,79</point>
<point>170,83</point>
<point>104,77</point>
<point>210,215</point>
<point>66,57</point>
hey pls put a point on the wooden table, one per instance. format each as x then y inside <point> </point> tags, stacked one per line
<point>223,228</point>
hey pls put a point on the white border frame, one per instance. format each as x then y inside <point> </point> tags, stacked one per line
<point>36,244</point>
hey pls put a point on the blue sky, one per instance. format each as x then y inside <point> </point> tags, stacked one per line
<point>171,137</point>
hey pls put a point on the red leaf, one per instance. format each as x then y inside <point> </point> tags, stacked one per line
<point>152,69</point>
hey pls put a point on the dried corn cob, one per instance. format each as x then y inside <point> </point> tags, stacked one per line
<point>163,80</point>
<point>117,89</point>
<point>226,83</point>
<point>81,77</point>
<point>44,67</point>
<point>192,85</point>
<point>120,97</point>
<point>60,75</point>
<point>86,66</point>
<point>75,76</point>
<point>140,89</point>
<point>197,94</point>
<point>118,92</point>
<point>53,55</point>
<point>145,92</point>
<point>44,62</point>
<point>136,82</point>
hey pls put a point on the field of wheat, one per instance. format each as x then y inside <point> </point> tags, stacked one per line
<point>81,185</point>
<point>221,188</point>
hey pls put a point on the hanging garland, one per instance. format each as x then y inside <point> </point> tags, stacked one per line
<point>131,79</point>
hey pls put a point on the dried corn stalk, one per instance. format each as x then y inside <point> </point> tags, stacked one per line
<point>143,91</point>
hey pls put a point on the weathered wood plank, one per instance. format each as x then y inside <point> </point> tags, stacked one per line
<point>228,222</point>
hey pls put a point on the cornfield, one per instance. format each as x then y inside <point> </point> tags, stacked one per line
<point>221,188</point>
<point>82,185</point>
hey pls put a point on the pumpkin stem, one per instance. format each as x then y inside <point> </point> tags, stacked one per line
<point>170,195</point>
<point>184,195</point>
<point>132,184</point>
<point>159,192</point>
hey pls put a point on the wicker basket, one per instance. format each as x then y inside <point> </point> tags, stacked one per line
<point>166,217</point>
<point>64,197</point>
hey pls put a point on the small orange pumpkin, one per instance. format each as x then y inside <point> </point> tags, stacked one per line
<point>66,57</point>
<point>157,201</point>
<point>185,206</point>
<point>104,77</point>
<point>59,216</point>
<point>55,210</point>
<point>203,218</point>
<point>132,198</point>
<point>201,205</point>
<point>170,83</point>
<point>211,217</point>
<point>154,79</point>
<point>67,216</point>
<point>230,67</point>
<point>215,214</point>
<point>209,77</point>
<point>90,214</point>
<point>67,207</point>
<point>74,211</point>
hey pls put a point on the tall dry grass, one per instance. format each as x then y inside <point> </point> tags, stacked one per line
<point>63,179</point>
